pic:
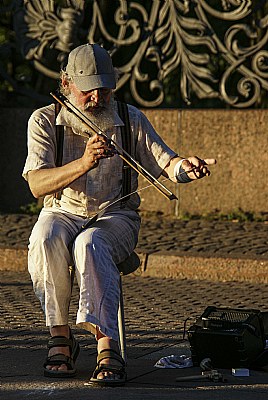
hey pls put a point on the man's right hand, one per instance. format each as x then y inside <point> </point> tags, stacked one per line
<point>97,147</point>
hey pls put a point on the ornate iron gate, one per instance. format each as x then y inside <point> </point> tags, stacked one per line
<point>168,53</point>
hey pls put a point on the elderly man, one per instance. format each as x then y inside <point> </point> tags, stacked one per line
<point>88,178</point>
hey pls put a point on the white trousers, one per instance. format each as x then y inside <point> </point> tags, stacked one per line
<point>54,246</point>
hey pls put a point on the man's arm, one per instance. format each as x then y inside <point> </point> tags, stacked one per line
<point>51,180</point>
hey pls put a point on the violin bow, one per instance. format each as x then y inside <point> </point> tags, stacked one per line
<point>123,154</point>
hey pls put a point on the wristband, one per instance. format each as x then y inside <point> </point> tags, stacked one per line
<point>180,173</point>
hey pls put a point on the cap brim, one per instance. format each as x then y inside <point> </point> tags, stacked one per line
<point>87,83</point>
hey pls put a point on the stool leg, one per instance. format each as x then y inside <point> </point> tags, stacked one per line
<point>72,273</point>
<point>121,324</point>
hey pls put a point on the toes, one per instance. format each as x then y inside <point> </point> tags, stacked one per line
<point>61,367</point>
<point>108,376</point>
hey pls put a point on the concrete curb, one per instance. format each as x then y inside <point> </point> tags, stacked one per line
<point>213,269</point>
<point>165,265</point>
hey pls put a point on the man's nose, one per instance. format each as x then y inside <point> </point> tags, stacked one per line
<point>95,95</point>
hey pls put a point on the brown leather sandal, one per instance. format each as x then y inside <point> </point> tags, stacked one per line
<point>59,358</point>
<point>114,369</point>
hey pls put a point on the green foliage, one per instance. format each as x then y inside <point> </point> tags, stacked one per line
<point>31,208</point>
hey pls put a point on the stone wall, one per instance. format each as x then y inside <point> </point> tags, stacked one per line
<point>238,139</point>
<point>239,142</point>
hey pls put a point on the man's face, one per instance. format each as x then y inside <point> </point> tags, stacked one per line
<point>90,100</point>
<point>98,105</point>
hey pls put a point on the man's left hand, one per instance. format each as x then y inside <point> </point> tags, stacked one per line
<point>197,167</point>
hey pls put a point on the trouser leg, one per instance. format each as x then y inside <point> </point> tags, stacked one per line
<point>96,252</point>
<point>48,262</point>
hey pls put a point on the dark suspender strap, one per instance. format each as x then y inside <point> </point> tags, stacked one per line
<point>59,141</point>
<point>59,137</point>
<point>126,144</point>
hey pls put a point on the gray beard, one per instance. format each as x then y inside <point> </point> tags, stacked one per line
<point>102,118</point>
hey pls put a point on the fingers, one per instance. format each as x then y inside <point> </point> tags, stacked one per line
<point>210,161</point>
<point>97,138</point>
<point>196,168</point>
<point>103,149</point>
<point>98,147</point>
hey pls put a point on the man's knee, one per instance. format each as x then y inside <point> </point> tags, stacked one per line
<point>90,240</point>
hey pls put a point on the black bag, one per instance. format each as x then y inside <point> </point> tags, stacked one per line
<point>229,337</point>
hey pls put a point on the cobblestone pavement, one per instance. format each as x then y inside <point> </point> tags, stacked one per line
<point>194,237</point>
<point>160,305</point>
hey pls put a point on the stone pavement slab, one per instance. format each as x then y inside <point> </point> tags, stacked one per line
<point>145,382</point>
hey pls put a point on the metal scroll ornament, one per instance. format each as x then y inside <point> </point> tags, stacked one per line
<point>216,49</point>
<point>47,33</point>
